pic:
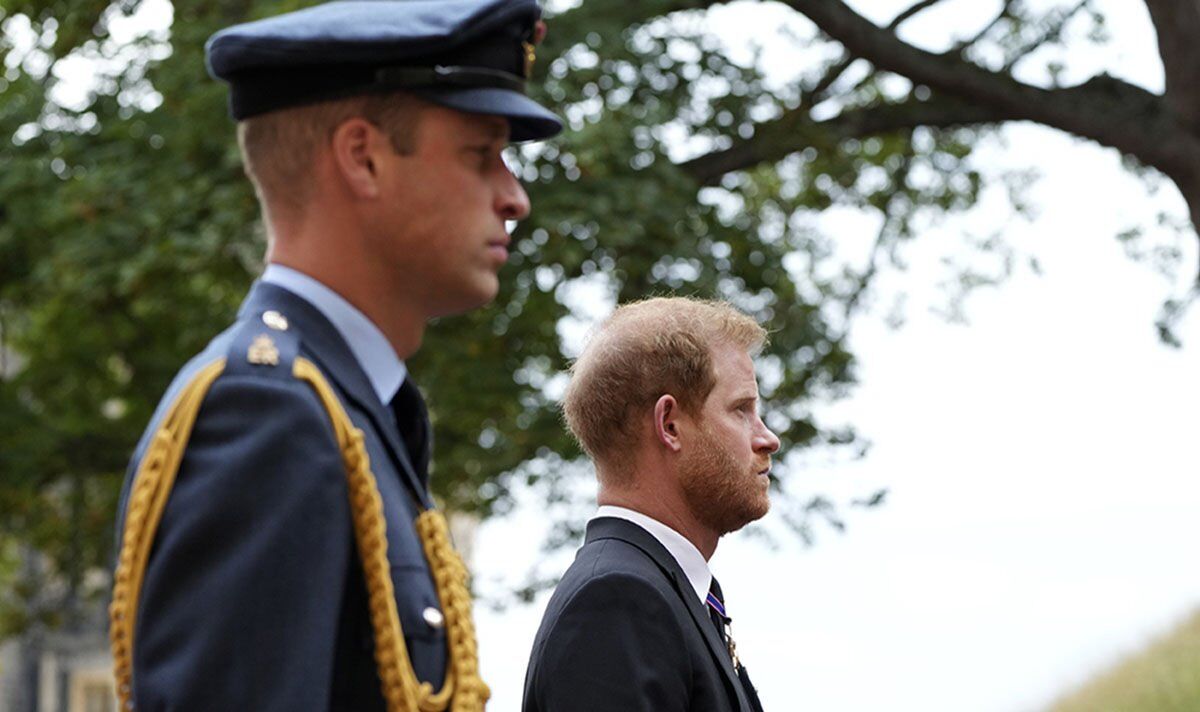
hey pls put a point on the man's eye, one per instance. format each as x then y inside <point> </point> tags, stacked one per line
<point>487,156</point>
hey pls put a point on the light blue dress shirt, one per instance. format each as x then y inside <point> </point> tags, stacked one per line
<point>370,347</point>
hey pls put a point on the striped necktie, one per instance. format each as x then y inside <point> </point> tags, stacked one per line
<point>720,619</point>
<point>715,602</point>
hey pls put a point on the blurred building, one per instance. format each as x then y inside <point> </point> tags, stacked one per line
<point>57,673</point>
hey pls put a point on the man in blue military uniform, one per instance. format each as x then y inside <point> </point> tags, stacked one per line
<point>270,555</point>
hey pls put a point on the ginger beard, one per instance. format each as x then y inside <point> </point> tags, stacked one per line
<point>723,494</point>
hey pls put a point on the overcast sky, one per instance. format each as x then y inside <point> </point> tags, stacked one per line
<point>1043,507</point>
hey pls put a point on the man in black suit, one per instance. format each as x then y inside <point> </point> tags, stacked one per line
<point>664,400</point>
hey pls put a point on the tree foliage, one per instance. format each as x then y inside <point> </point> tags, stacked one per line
<point>128,234</point>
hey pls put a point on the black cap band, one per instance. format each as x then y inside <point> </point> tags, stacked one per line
<point>440,76</point>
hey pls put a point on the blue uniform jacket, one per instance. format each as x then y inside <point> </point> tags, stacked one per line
<point>253,597</point>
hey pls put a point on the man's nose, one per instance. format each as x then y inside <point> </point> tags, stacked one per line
<point>766,441</point>
<point>512,202</point>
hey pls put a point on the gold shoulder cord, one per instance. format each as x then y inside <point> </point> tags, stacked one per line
<point>463,691</point>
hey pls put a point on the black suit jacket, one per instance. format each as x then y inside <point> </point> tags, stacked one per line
<point>254,596</point>
<point>625,632</point>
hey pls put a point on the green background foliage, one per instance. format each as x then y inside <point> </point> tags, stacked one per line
<point>128,236</point>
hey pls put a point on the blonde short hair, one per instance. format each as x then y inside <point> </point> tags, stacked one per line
<point>278,147</point>
<point>643,351</point>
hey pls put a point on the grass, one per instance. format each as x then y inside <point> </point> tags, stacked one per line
<point>1165,677</point>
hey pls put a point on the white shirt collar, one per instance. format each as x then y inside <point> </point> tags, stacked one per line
<point>684,552</point>
<point>370,347</point>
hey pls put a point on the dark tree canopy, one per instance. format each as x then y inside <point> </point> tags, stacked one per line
<point>128,234</point>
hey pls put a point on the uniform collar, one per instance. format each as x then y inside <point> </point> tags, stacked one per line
<point>683,551</point>
<point>370,347</point>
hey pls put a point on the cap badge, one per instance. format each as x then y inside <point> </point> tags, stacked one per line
<point>530,46</point>
<point>530,58</point>
<point>263,352</point>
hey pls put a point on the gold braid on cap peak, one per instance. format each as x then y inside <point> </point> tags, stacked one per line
<point>463,690</point>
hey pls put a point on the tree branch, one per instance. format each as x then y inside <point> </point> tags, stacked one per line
<point>835,71</point>
<point>1053,32</point>
<point>1104,109</point>
<point>1005,12</point>
<point>919,7</point>
<point>795,131</point>
<point>881,240</point>
<point>1177,23</point>
<point>608,18</point>
<point>831,75</point>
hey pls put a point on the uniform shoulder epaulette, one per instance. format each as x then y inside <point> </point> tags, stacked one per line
<point>262,344</point>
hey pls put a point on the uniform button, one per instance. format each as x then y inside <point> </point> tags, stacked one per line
<point>433,617</point>
<point>275,320</point>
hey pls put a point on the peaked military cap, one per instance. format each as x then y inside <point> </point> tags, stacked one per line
<point>470,55</point>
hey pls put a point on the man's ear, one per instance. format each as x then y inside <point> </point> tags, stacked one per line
<point>355,146</point>
<point>666,423</point>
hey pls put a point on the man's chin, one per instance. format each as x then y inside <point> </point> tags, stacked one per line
<point>751,511</point>
<point>759,510</point>
<point>481,293</point>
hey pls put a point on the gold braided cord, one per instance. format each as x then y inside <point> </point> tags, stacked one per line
<point>463,691</point>
<point>147,500</point>
<point>450,577</point>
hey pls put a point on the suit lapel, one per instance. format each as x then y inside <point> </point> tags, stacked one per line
<point>321,341</point>
<point>613,528</point>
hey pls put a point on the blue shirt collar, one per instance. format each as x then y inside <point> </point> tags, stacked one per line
<point>370,347</point>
